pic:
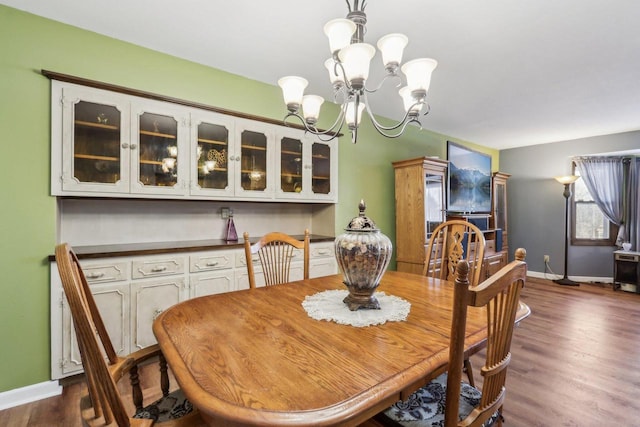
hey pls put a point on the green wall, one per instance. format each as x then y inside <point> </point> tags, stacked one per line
<point>29,44</point>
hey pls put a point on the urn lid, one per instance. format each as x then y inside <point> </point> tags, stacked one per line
<point>362,222</point>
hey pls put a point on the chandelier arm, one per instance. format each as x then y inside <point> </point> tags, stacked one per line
<point>380,127</point>
<point>333,131</point>
<point>401,131</point>
<point>384,79</point>
<point>347,84</point>
<point>428,109</point>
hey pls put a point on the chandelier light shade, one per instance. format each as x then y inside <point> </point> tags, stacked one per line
<point>348,69</point>
<point>391,48</point>
<point>418,73</point>
<point>356,59</point>
<point>292,90</point>
<point>407,99</point>
<point>354,114</point>
<point>311,107</point>
<point>339,32</point>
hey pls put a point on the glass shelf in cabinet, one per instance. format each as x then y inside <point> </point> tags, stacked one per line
<point>96,157</point>
<point>102,126</point>
<point>158,134</point>
<point>254,147</point>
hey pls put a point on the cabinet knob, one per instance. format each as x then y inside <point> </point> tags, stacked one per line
<point>158,269</point>
<point>125,145</point>
<point>157,312</point>
<point>212,263</point>
<point>134,146</point>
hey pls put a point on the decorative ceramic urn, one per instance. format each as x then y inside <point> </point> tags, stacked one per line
<point>363,254</point>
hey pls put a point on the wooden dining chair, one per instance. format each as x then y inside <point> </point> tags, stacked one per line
<point>103,368</point>
<point>447,400</point>
<point>276,253</point>
<point>450,242</point>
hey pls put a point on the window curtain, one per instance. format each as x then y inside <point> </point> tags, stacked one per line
<point>633,195</point>
<point>604,177</point>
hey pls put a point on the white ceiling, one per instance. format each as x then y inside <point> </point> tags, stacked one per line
<point>511,73</point>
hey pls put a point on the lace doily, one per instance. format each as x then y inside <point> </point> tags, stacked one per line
<point>328,305</point>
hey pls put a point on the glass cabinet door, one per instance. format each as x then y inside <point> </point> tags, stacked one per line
<point>291,166</point>
<point>434,211</point>
<point>158,152</point>
<point>96,132</point>
<point>95,142</point>
<point>159,159</point>
<point>254,177</point>
<point>213,157</point>
<point>321,168</point>
<point>253,153</point>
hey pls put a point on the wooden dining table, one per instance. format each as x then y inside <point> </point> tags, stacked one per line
<point>256,358</point>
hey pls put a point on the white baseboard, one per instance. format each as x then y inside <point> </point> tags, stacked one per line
<point>30,393</point>
<point>581,279</point>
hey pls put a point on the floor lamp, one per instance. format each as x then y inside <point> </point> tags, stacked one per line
<point>567,181</point>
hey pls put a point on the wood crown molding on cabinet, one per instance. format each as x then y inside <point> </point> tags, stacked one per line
<point>150,95</point>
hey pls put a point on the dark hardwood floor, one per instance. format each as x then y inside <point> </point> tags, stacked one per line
<point>575,362</point>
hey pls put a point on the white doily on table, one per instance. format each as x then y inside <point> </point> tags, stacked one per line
<point>328,305</point>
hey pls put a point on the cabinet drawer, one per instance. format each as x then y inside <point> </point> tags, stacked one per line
<point>108,272</point>
<point>324,250</point>
<point>210,261</point>
<point>157,267</point>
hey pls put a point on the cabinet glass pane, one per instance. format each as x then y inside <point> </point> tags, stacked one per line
<point>320,168</point>
<point>433,201</point>
<point>291,165</point>
<point>158,151</point>
<point>254,161</point>
<point>96,143</point>
<point>213,151</point>
<point>499,211</point>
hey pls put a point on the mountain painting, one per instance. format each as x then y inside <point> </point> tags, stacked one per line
<point>469,180</point>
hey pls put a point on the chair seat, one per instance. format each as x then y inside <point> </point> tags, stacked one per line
<point>426,406</point>
<point>174,405</point>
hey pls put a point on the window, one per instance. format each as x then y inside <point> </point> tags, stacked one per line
<point>589,226</point>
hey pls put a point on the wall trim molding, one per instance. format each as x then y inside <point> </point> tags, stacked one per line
<point>30,393</point>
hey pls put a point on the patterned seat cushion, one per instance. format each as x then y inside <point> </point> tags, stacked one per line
<point>172,406</point>
<point>426,406</point>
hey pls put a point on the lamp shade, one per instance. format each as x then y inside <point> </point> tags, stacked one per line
<point>408,101</point>
<point>568,179</point>
<point>311,107</point>
<point>391,47</point>
<point>292,89</point>
<point>418,73</point>
<point>351,114</point>
<point>335,74</point>
<point>339,32</point>
<point>356,59</point>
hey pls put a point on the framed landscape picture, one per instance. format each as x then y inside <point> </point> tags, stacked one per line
<point>469,180</point>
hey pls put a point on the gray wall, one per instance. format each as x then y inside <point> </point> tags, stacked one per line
<point>536,205</point>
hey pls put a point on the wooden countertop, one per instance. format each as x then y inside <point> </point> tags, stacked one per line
<point>153,248</point>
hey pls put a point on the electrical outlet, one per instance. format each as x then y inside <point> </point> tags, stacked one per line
<point>226,212</point>
<point>546,258</point>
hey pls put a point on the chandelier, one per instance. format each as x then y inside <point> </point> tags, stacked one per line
<point>348,72</point>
